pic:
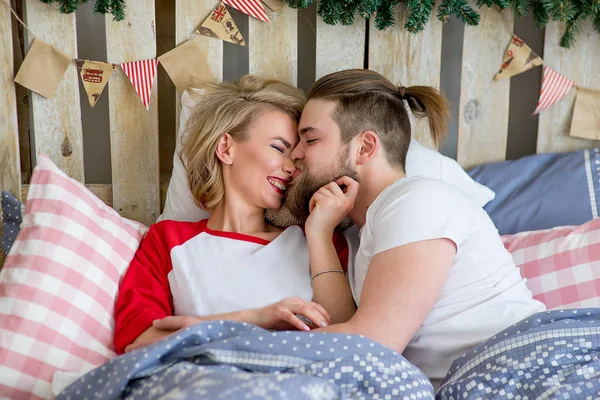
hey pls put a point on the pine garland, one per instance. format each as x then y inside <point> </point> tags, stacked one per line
<point>571,13</point>
<point>114,7</point>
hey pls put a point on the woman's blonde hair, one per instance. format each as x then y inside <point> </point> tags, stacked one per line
<point>228,107</point>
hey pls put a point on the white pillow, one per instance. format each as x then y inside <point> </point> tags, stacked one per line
<point>420,161</point>
<point>179,204</point>
<point>423,161</point>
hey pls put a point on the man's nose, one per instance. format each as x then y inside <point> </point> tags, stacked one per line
<point>298,152</point>
<point>289,167</point>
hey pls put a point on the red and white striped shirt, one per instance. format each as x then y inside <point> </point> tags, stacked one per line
<point>186,268</point>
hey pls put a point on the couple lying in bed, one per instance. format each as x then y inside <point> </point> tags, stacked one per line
<point>431,277</point>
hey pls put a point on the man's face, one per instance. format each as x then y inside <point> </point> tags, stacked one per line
<point>321,158</point>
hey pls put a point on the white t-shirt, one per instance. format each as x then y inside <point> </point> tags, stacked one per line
<point>484,292</point>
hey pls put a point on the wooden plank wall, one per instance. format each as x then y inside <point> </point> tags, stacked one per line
<point>133,129</point>
<point>57,120</point>
<point>484,103</point>
<point>339,47</point>
<point>273,46</point>
<point>407,59</point>
<point>581,64</point>
<point>10,166</point>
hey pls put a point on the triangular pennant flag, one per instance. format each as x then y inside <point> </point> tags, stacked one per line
<point>186,65</point>
<point>518,58</point>
<point>141,74</point>
<point>220,25</point>
<point>43,68</point>
<point>94,76</point>
<point>586,115</point>
<point>554,87</point>
<point>254,8</point>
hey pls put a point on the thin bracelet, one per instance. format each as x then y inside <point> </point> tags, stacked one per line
<point>326,271</point>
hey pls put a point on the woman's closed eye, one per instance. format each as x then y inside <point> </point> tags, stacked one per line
<point>311,141</point>
<point>278,148</point>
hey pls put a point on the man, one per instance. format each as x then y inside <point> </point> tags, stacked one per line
<point>431,277</point>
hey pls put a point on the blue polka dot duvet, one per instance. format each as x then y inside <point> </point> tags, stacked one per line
<point>232,360</point>
<point>550,355</point>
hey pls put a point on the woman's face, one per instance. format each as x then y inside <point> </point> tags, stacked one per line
<point>261,166</point>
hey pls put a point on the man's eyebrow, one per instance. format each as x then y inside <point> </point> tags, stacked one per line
<point>304,131</point>
<point>287,144</point>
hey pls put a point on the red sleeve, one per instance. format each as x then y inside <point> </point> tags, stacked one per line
<point>144,293</point>
<point>341,248</point>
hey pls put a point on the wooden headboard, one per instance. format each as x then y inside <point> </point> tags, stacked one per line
<point>273,50</point>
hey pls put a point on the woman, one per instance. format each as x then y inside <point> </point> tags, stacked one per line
<point>431,277</point>
<point>233,265</point>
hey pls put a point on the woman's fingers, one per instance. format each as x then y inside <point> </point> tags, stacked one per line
<point>323,312</point>
<point>316,315</point>
<point>335,189</point>
<point>351,186</point>
<point>296,322</point>
<point>315,199</point>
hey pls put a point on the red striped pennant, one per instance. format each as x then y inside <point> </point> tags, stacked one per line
<point>141,74</point>
<point>554,87</point>
<point>253,8</point>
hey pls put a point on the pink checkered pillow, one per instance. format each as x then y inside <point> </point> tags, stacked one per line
<point>562,265</point>
<point>59,283</point>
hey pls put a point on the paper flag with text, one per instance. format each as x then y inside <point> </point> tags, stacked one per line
<point>220,25</point>
<point>94,76</point>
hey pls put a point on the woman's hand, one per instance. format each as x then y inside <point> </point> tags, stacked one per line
<point>330,205</point>
<point>282,315</point>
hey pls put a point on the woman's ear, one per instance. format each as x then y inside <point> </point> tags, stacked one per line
<point>224,150</point>
<point>368,143</point>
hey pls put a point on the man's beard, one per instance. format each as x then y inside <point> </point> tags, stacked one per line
<point>295,208</point>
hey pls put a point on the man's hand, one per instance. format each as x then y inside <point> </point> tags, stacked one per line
<point>160,329</point>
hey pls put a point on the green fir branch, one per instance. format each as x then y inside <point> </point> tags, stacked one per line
<point>466,14</point>
<point>299,3</point>
<point>68,6</point>
<point>521,7</point>
<point>560,10</point>
<point>501,4</point>
<point>571,13</point>
<point>419,14</point>
<point>368,8</point>
<point>446,9</point>
<point>540,14</point>
<point>572,29</point>
<point>102,6</point>
<point>118,10</point>
<point>385,15</point>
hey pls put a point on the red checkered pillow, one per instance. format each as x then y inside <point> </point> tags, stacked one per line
<point>58,284</point>
<point>562,265</point>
